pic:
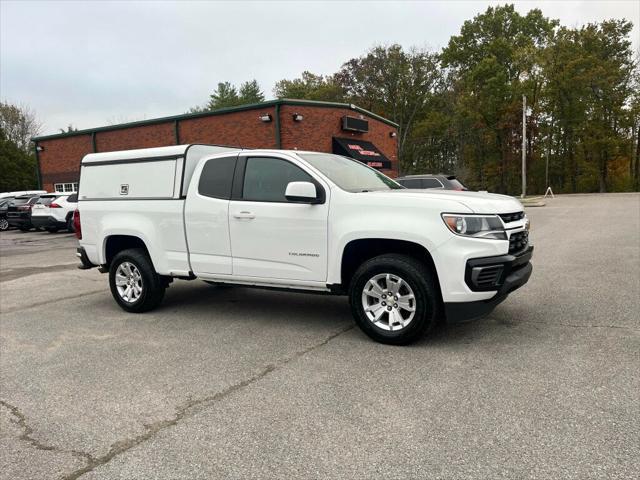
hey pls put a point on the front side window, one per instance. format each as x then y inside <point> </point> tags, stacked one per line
<point>266,179</point>
<point>217,177</point>
<point>349,175</point>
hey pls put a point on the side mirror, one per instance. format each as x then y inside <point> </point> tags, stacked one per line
<point>301,192</point>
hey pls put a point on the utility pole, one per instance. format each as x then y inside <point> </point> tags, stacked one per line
<point>524,146</point>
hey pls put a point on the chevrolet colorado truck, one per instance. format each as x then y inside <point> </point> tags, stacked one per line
<point>298,221</point>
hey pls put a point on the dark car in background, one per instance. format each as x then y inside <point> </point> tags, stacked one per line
<point>441,181</point>
<point>4,206</point>
<point>19,210</point>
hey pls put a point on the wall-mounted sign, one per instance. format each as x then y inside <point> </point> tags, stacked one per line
<point>355,124</point>
<point>365,152</point>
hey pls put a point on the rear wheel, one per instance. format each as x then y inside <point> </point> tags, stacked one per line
<point>134,283</point>
<point>394,299</point>
<point>24,229</point>
<point>4,224</point>
<point>52,229</point>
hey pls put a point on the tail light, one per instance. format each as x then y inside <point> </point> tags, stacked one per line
<point>76,224</point>
<point>54,205</point>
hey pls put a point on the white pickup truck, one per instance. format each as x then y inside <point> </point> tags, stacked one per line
<point>299,221</point>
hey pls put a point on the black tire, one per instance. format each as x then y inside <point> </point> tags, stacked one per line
<point>70,227</point>
<point>153,286</point>
<point>24,229</point>
<point>52,230</point>
<point>4,224</point>
<point>428,303</point>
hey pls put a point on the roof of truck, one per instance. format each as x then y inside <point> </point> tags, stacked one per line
<point>157,153</point>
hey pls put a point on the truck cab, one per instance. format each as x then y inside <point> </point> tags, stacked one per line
<point>299,221</point>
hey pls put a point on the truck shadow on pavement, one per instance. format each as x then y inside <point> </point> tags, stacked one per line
<point>197,302</point>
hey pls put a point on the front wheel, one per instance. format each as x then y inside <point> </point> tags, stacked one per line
<point>134,283</point>
<point>394,299</point>
<point>4,224</point>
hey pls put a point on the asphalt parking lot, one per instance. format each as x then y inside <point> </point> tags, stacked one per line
<point>241,383</point>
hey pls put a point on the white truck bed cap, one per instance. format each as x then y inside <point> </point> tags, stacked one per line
<point>146,173</point>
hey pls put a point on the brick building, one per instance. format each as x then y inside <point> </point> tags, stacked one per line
<point>288,124</point>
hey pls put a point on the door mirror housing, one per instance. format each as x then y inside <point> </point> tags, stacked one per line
<point>301,192</point>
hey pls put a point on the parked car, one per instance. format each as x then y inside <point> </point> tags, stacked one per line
<point>445,182</point>
<point>19,211</point>
<point>298,221</point>
<point>4,206</point>
<point>55,213</point>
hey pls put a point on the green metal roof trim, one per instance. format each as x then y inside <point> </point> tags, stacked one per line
<point>222,111</point>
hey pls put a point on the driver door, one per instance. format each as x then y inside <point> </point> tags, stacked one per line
<point>271,237</point>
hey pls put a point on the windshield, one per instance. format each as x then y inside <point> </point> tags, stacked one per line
<point>349,175</point>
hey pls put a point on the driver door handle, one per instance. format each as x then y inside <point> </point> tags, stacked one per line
<point>244,215</point>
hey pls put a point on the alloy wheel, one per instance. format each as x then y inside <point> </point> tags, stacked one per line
<point>388,302</point>
<point>128,282</point>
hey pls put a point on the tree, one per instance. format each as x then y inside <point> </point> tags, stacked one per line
<point>17,167</point>
<point>250,92</point>
<point>495,60</point>
<point>224,96</point>
<point>70,128</point>
<point>19,124</point>
<point>392,83</point>
<point>310,86</point>
<point>227,95</point>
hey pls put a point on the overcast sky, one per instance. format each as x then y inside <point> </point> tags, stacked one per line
<point>96,63</point>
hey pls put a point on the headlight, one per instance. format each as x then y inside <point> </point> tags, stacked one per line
<point>476,226</point>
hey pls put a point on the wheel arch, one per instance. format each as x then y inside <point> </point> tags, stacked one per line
<point>358,251</point>
<point>113,244</point>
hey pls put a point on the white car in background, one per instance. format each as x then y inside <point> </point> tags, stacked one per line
<point>55,213</point>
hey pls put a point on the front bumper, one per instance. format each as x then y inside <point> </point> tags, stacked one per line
<point>507,273</point>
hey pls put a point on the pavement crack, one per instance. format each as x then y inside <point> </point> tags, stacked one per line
<point>20,420</point>
<point>193,407</point>
<point>569,325</point>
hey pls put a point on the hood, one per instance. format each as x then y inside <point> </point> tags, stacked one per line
<point>477,202</point>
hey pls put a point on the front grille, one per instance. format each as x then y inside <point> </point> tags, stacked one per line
<point>511,217</point>
<point>518,241</point>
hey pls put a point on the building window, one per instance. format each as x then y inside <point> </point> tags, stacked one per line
<point>66,187</point>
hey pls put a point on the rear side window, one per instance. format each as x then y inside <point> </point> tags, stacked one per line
<point>266,179</point>
<point>431,183</point>
<point>217,177</point>
<point>73,198</point>
<point>411,183</point>
<point>45,200</point>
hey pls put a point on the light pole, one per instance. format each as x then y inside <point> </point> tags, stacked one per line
<point>524,146</point>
